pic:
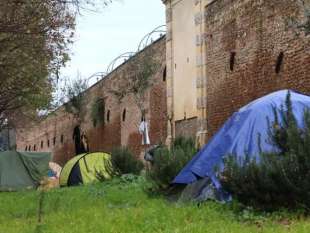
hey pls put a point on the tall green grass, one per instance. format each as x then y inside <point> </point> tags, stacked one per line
<point>121,206</point>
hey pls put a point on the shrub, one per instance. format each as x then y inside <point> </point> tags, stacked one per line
<point>278,180</point>
<point>187,144</point>
<point>168,163</point>
<point>125,162</point>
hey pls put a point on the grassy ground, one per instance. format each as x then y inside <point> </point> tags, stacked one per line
<point>124,207</point>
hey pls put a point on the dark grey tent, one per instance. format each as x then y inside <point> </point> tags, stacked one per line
<point>22,170</point>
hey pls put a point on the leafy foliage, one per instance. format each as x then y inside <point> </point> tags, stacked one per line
<point>74,97</point>
<point>138,78</point>
<point>169,162</point>
<point>125,162</point>
<point>279,179</point>
<point>35,36</point>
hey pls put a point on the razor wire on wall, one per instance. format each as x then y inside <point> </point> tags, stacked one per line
<point>148,39</point>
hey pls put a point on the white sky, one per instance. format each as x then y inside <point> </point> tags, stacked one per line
<point>100,37</point>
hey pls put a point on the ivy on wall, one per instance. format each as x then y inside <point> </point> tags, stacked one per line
<point>98,112</point>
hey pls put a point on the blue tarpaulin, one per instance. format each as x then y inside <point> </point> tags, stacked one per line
<point>240,135</point>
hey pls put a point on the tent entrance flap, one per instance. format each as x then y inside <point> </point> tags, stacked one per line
<point>75,177</point>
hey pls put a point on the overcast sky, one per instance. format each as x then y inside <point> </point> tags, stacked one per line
<point>100,37</point>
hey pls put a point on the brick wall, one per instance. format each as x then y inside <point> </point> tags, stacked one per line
<point>114,132</point>
<point>244,40</point>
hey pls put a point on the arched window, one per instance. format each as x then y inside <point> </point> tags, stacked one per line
<point>279,62</point>
<point>108,116</point>
<point>54,141</point>
<point>62,138</point>
<point>48,143</point>
<point>124,114</point>
<point>26,148</point>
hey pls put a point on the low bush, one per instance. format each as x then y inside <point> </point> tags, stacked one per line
<point>169,162</point>
<point>125,162</point>
<point>278,180</point>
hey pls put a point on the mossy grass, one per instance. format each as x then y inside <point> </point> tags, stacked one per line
<point>121,206</point>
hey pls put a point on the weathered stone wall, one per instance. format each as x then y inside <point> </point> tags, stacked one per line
<point>245,40</point>
<point>186,128</point>
<point>115,131</point>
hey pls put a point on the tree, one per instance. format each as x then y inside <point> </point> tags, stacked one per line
<point>73,97</point>
<point>278,179</point>
<point>34,40</point>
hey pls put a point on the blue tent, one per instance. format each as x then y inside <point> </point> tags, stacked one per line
<point>240,134</point>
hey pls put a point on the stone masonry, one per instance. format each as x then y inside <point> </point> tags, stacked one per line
<point>250,52</point>
<point>55,133</point>
<point>244,49</point>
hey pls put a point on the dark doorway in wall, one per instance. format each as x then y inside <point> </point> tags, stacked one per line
<point>124,114</point>
<point>77,139</point>
<point>279,62</point>
<point>232,61</point>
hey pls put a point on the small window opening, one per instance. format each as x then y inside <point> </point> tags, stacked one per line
<point>165,74</point>
<point>232,60</point>
<point>26,148</point>
<point>41,144</point>
<point>279,62</point>
<point>48,143</point>
<point>124,114</point>
<point>62,138</point>
<point>94,123</point>
<point>54,141</point>
<point>35,147</point>
<point>108,116</point>
<point>29,148</point>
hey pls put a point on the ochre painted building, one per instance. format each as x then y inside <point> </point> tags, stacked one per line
<point>55,133</point>
<point>222,54</point>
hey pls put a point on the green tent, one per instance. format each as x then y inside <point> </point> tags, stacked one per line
<point>87,168</point>
<point>22,170</point>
